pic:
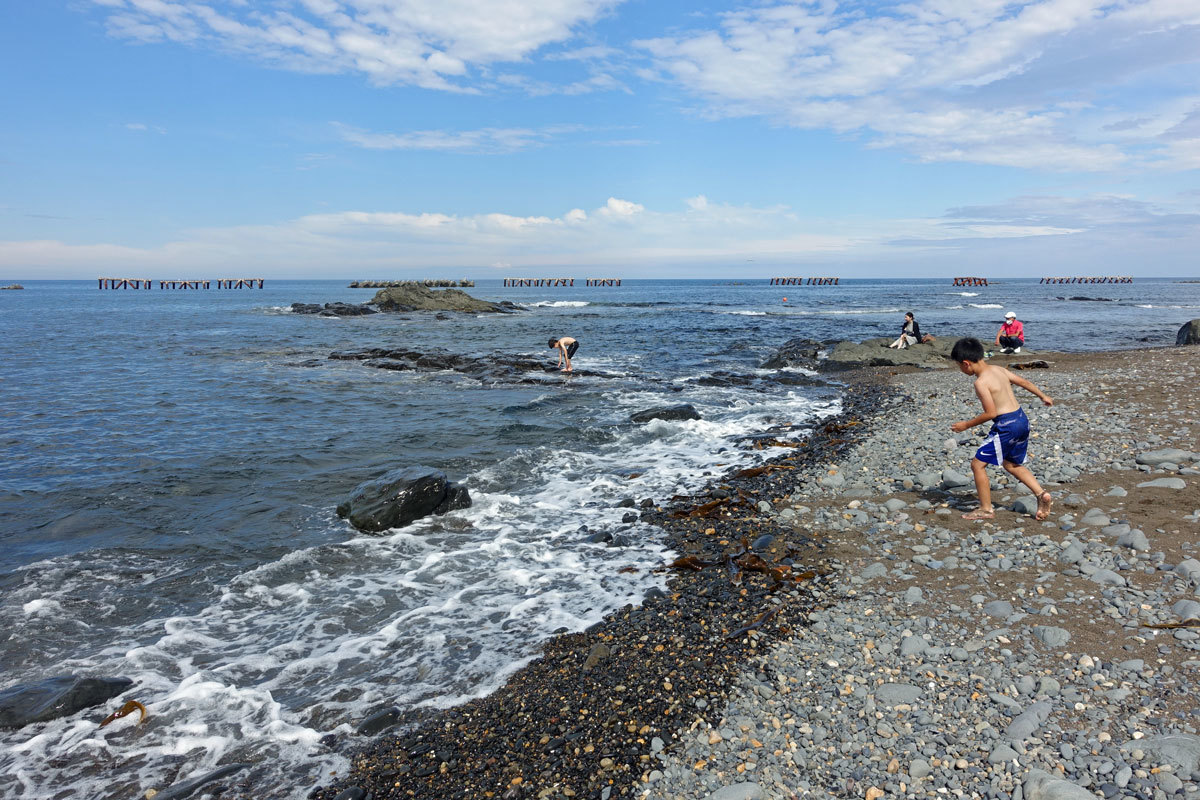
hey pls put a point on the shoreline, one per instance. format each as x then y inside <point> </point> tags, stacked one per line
<point>656,716</point>
<point>643,666</point>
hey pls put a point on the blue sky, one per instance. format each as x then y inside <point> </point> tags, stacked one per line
<point>423,138</point>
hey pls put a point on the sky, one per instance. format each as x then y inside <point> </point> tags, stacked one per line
<point>599,138</point>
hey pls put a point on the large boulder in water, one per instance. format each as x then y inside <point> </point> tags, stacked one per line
<point>683,411</point>
<point>798,352</point>
<point>415,297</point>
<point>401,496</point>
<point>1189,333</point>
<point>56,697</point>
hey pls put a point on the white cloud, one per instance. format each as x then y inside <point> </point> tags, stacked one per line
<point>1021,236</point>
<point>482,140</point>
<point>429,43</point>
<point>1012,82</point>
<point>697,203</point>
<point>621,208</point>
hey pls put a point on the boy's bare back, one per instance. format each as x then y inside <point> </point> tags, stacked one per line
<point>995,383</point>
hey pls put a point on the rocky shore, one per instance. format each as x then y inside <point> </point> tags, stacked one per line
<point>880,645</point>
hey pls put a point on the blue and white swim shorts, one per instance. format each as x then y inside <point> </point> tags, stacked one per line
<point>1007,440</point>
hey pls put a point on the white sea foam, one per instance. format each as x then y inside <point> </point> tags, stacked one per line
<point>746,313</point>
<point>966,294</point>
<point>790,311</point>
<point>985,305</point>
<point>434,614</point>
<point>557,304</point>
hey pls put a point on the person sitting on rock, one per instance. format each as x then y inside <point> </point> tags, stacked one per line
<point>1011,335</point>
<point>909,334</point>
<point>566,347</point>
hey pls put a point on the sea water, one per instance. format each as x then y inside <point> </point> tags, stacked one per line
<point>172,461</point>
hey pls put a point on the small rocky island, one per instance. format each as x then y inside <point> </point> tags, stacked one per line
<point>408,297</point>
<point>12,286</point>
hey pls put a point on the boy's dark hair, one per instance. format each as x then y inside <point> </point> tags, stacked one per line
<point>911,314</point>
<point>968,349</point>
<point>554,342</point>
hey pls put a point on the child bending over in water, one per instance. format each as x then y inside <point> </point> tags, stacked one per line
<point>1006,442</point>
<point>566,347</point>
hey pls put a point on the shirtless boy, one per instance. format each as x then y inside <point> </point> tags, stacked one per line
<point>1006,442</point>
<point>566,347</point>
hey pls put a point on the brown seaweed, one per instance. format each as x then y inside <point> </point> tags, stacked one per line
<point>704,509</point>
<point>690,562</point>
<point>1170,626</point>
<point>765,469</point>
<point>756,623</point>
<point>129,707</point>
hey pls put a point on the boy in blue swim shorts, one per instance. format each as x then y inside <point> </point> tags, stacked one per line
<point>1008,439</point>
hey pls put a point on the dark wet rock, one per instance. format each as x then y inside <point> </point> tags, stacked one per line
<point>1082,299</point>
<point>56,697</point>
<point>490,368</point>
<point>725,378</point>
<point>181,790</point>
<point>798,352</point>
<point>457,497</point>
<point>333,309</point>
<point>682,411</point>
<point>353,793</point>
<point>380,721</point>
<point>413,297</point>
<point>400,497</point>
<point>876,353</point>
<point>1189,333</point>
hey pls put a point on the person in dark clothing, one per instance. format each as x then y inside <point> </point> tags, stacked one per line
<point>910,334</point>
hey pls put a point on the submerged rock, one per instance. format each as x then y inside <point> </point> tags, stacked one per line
<point>181,790</point>
<point>55,697</point>
<point>333,309</point>
<point>400,497</point>
<point>798,352</point>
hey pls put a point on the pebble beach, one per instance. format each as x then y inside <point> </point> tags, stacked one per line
<point>909,652</point>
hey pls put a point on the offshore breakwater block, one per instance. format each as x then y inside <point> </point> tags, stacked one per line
<point>401,496</point>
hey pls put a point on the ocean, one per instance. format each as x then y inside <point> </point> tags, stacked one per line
<point>172,461</point>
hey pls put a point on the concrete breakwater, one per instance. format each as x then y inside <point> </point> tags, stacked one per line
<point>434,284</point>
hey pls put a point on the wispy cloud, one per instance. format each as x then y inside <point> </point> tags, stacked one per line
<point>430,43</point>
<point>141,126</point>
<point>1036,232</point>
<point>1028,84</point>
<point>481,140</point>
